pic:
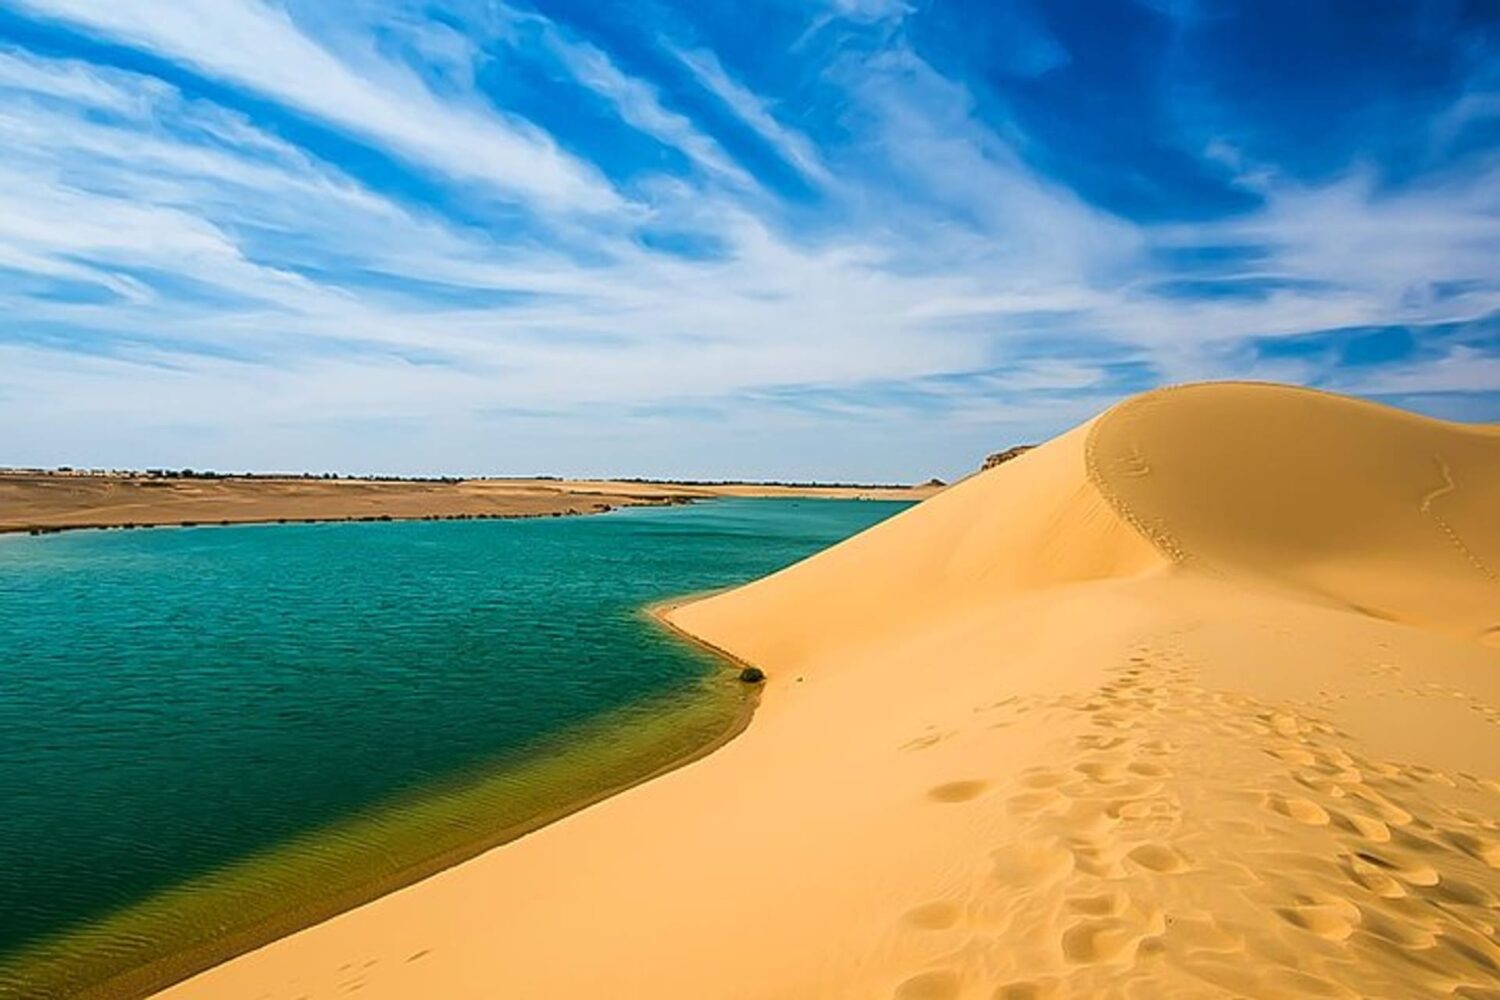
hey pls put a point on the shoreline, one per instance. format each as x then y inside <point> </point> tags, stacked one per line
<point>673,714</point>
<point>44,504</point>
<point>37,531</point>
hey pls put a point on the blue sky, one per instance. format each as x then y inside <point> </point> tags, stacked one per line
<point>846,239</point>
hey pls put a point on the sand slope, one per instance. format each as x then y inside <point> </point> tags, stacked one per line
<point>1200,699</point>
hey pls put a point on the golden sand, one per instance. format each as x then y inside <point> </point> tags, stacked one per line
<point>1199,699</point>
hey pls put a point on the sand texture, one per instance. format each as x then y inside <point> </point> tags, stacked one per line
<point>1199,699</point>
<point>32,501</point>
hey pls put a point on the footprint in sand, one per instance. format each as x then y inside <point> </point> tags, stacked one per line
<point>1341,873</point>
<point>1388,811</point>
<point>1100,859</point>
<point>1402,933</point>
<point>1478,846</point>
<point>1104,904</point>
<point>1159,858</point>
<point>1457,892</point>
<point>1136,810</point>
<point>957,791</point>
<point>1366,827</point>
<point>1302,810</point>
<point>1330,918</point>
<point>1026,989</point>
<point>1409,870</point>
<point>1101,770</point>
<point>1041,777</point>
<point>938,985</point>
<point>935,916</point>
<point>1373,879</point>
<point>1095,741</point>
<point>1105,940</point>
<point>1090,818</point>
<point>1296,756</point>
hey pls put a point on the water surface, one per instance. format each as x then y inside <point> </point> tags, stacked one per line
<point>210,730</point>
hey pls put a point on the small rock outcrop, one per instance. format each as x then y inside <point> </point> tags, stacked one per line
<point>752,675</point>
<point>1001,457</point>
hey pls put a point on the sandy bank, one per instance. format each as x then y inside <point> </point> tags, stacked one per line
<point>1199,699</point>
<point>31,501</point>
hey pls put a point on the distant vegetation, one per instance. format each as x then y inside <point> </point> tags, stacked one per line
<point>68,470</point>
<point>1001,457</point>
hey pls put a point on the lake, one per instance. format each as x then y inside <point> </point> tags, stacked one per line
<point>211,736</point>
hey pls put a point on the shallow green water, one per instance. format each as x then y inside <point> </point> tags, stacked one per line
<point>189,715</point>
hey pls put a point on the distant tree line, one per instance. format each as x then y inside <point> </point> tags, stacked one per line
<point>315,476</point>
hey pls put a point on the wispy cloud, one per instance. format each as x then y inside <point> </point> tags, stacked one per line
<point>639,105</point>
<point>260,47</point>
<point>755,112</point>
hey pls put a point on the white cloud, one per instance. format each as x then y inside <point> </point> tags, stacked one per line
<point>1460,369</point>
<point>257,46</point>
<point>639,105</point>
<point>791,145</point>
<point>319,307</point>
<point>923,125</point>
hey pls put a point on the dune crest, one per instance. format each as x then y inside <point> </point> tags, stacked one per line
<point>1373,508</point>
<point>1348,502</point>
<point>1199,699</point>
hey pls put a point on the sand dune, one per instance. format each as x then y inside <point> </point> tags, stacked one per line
<point>1373,509</point>
<point>1199,699</point>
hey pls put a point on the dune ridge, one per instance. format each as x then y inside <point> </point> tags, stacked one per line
<point>1237,490</point>
<point>1366,513</point>
<point>1199,699</point>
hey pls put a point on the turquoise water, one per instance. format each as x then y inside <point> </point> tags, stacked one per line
<point>173,701</point>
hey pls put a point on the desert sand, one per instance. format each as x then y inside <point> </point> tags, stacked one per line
<point>1200,699</point>
<point>44,502</point>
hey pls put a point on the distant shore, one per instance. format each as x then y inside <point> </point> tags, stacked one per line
<point>41,502</point>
